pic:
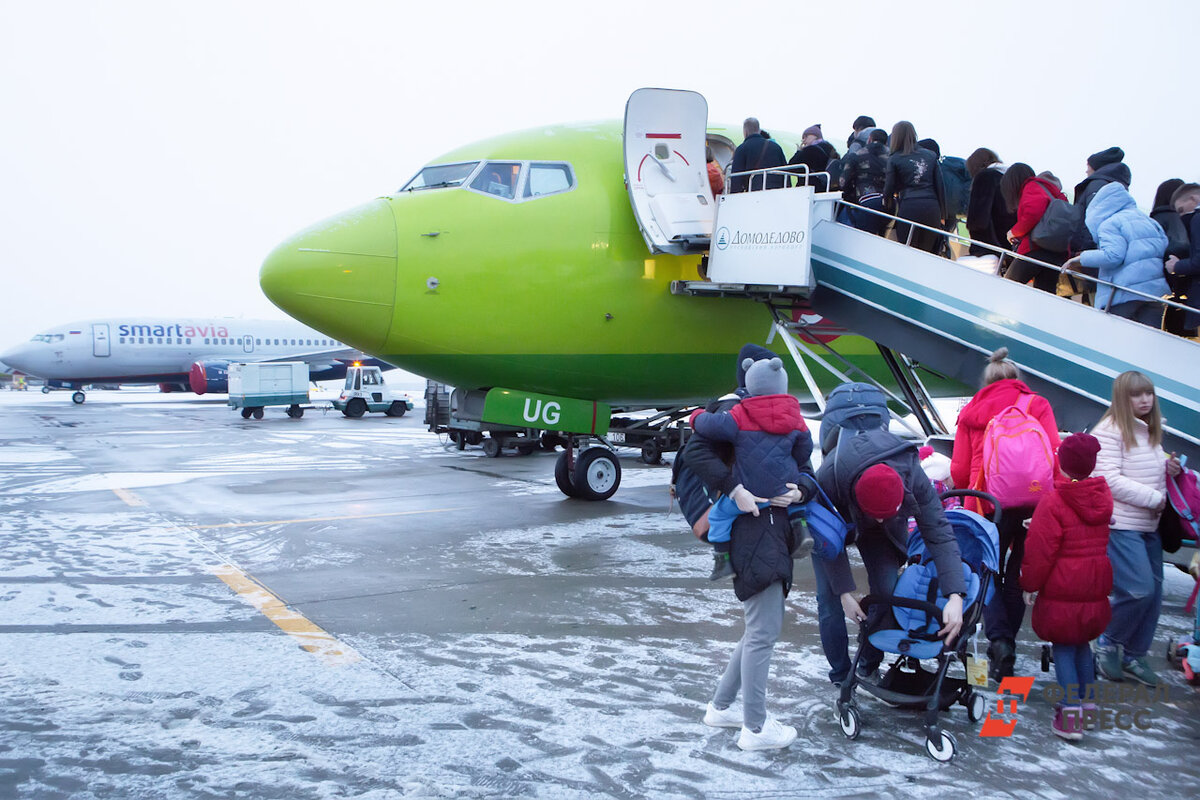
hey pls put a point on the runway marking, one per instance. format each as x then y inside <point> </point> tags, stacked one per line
<point>312,638</point>
<point>129,497</point>
<point>321,519</point>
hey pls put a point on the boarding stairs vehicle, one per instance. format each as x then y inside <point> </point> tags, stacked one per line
<point>784,248</point>
<point>365,390</point>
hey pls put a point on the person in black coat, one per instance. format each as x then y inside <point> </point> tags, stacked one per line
<point>1185,200</point>
<point>755,153</point>
<point>1102,168</point>
<point>862,178</point>
<point>913,188</point>
<point>988,217</point>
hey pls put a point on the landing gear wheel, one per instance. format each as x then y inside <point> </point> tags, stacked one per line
<point>849,720</point>
<point>491,447</point>
<point>295,412</point>
<point>78,398</point>
<point>355,408</point>
<point>45,390</point>
<point>246,413</point>
<point>258,413</point>
<point>942,750</point>
<point>976,706</point>
<point>563,476</point>
<point>396,409</point>
<point>526,449</point>
<point>651,451</point>
<point>597,474</point>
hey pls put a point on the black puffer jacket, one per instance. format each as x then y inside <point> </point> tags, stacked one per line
<point>988,218</point>
<point>762,552</point>
<point>841,471</point>
<point>1086,189</point>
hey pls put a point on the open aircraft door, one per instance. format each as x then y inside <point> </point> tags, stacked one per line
<point>665,170</point>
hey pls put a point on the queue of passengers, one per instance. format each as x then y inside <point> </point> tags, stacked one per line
<point>1007,209</point>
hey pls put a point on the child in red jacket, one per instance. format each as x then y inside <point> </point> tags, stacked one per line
<point>1066,565</point>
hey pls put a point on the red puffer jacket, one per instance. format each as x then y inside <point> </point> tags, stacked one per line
<point>973,420</point>
<point>1036,195</point>
<point>1066,561</point>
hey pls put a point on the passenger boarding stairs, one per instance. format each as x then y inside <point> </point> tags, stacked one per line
<point>947,316</point>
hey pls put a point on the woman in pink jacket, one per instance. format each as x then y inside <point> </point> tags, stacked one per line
<point>1133,462</point>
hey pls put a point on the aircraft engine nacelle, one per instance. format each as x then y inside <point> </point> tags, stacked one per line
<point>209,376</point>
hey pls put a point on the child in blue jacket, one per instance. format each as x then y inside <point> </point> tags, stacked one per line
<point>772,447</point>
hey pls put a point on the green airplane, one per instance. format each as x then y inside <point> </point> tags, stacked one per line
<point>518,266</point>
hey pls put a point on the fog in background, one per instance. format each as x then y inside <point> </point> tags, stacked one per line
<point>152,153</point>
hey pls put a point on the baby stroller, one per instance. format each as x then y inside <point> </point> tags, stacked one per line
<point>910,631</point>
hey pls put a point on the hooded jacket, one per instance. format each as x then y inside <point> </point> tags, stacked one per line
<point>771,443</point>
<point>1086,189</point>
<point>1036,195</point>
<point>967,461</point>
<point>1066,561</point>
<point>855,451</point>
<point>1130,247</point>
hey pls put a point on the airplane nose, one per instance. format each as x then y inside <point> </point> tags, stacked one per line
<point>15,358</point>
<point>339,275</point>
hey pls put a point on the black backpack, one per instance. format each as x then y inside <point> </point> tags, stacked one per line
<point>956,184</point>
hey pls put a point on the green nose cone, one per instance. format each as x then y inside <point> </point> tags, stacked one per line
<point>339,276</point>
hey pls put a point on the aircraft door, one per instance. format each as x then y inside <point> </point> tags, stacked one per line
<point>665,170</point>
<point>248,343</point>
<point>100,342</point>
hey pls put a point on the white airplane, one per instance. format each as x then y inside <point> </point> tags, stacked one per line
<point>177,354</point>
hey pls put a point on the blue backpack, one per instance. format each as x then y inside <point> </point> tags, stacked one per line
<point>825,525</point>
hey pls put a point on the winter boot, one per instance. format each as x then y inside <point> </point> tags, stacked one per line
<point>722,567</point>
<point>1068,723</point>
<point>803,546</point>
<point>1002,658</point>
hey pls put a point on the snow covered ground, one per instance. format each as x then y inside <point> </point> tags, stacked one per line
<point>497,640</point>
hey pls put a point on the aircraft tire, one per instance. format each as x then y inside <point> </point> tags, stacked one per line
<point>491,447</point>
<point>78,398</point>
<point>396,409</point>
<point>45,390</point>
<point>563,476</point>
<point>597,474</point>
<point>246,413</point>
<point>258,413</point>
<point>355,408</point>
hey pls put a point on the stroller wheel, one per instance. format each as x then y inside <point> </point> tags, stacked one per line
<point>1045,658</point>
<point>943,750</point>
<point>849,720</point>
<point>976,707</point>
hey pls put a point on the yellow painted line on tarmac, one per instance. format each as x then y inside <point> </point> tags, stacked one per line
<point>322,519</point>
<point>129,497</point>
<point>312,638</point>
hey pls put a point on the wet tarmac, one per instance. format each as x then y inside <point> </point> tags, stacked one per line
<point>194,605</point>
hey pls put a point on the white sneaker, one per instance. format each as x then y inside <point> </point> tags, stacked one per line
<point>773,736</point>
<point>722,718</point>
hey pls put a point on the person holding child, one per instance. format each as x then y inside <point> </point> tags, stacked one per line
<point>1133,461</point>
<point>1066,566</point>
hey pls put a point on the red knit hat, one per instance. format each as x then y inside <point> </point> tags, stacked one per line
<point>1077,455</point>
<point>879,492</point>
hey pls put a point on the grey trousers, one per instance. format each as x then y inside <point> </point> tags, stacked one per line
<point>750,663</point>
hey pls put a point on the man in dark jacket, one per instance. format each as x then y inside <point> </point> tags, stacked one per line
<point>875,479</point>
<point>862,180</point>
<point>1185,200</point>
<point>1102,168</point>
<point>756,152</point>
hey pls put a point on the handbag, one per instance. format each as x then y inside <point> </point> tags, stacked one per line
<point>1170,530</point>
<point>1058,223</point>
<point>825,525</point>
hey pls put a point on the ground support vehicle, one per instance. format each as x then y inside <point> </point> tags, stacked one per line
<point>365,390</point>
<point>254,386</point>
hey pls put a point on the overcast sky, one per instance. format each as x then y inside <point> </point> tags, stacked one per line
<point>152,153</point>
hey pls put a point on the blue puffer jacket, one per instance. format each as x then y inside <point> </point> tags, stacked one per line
<point>1130,247</point>
<point>771,443</point>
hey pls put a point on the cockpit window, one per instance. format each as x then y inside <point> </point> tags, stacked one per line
<point>47,337</point>
<point>498,178</point>
<point>548,179</point>
<point>440,176</point>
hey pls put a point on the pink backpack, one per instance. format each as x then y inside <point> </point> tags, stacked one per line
<point>1183,492</point>
<point>1018,460</point>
